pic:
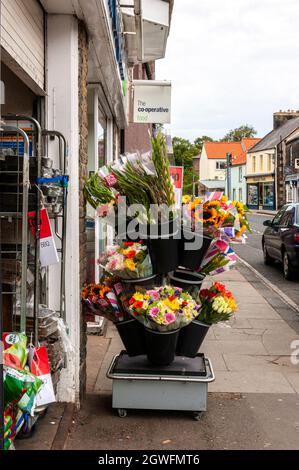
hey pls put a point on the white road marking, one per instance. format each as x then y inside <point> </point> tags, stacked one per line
<point>269,284</point>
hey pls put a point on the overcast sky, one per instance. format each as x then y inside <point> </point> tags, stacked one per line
<point>231,62</point>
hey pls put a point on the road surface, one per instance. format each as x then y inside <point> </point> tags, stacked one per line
<point>253,254</point>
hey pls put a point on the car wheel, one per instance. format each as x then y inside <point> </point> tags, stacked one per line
<point>287,267</point>
<point>267,259</point>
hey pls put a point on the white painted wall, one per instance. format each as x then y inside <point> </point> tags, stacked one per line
<point>22,36</point>
<point>63,115</point>
<point>207,168</point>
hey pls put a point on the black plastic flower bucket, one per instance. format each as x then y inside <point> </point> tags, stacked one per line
<point>163,244</point>
<point>132,334</point>
<point>189,281</point>
<point>190,257</point>
<point>161,346</point>
<point>143,282</point>
<point>191,338</point>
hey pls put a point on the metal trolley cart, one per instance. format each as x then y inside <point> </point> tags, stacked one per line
<point>183,385</point>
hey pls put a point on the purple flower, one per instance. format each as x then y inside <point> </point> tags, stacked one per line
<point>169,318</point>
<point>154,311</point>
<point>153,294</point>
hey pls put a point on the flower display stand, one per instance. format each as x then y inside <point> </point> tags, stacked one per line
<point>182,385</point>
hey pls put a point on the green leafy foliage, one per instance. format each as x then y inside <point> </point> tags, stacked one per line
<point>235,135</point>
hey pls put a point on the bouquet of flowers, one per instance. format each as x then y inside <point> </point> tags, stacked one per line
<point>142,179</point>
<point>218,304</point>
<point>220,257</point>
<point>163,308</point>
<point>101,300</point>
<point>130,260</point>
<point>219,216</point>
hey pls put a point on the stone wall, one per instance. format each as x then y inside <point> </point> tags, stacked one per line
<point>83,159</point>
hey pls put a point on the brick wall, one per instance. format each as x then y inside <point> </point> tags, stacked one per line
<point>83,158</point>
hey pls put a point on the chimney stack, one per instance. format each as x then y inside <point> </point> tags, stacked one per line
<point>279,118</point>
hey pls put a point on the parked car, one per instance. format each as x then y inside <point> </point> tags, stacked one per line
<point>281,240</point>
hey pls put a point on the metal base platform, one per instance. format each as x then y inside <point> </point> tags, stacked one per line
<point>183,385</point>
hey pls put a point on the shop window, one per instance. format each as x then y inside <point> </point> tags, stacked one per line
<point>240,194</point>
<point>268,194</point>
<point>252,195</point>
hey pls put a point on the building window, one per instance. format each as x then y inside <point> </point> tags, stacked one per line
<point>269,163</point>
<point>261,163</point>
<point>240,194</point>
<point>254,164</point>
<point>240,174</point>
<point>252,194</point>
<point>268,194</point>
<point>220,165</point>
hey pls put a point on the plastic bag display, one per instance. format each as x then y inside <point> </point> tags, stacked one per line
<point>21,388</point>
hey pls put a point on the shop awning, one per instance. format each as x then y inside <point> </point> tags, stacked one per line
<point>146,28</point>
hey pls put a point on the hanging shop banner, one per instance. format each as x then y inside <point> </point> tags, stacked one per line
<point>40,367</point>
<point>48,250</point>
<point>152,102</point>
<point>177,175</point>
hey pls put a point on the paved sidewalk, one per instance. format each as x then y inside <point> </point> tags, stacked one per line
<point>253,403</point>
<point>250,354</point>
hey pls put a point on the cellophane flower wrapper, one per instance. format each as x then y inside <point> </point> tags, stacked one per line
<point>128,261</point>
<point>163,308</point>
<point>101,300</point>
<point>219,258</point>
<point>218,304</point>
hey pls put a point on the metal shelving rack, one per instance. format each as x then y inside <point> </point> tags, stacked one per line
<point>19,214</point>
<point>63,154</point>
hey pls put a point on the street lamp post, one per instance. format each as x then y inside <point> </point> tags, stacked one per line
<point>228,174</point>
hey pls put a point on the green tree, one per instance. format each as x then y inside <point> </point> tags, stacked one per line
<point>235,135</point>
<point>199,142</point>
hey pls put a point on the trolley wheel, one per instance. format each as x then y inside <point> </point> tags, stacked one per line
<point>121,412</point>
<point>197,415</point>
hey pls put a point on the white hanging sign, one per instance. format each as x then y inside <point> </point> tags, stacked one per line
<point>152,102</point>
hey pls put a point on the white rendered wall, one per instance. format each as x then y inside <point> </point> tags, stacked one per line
<point>63,116</point>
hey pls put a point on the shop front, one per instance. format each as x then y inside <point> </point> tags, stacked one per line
<point>261,192</point>
<point>292,188</point>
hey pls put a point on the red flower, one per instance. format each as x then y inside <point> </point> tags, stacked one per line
<point>138,304</point>
<point>204,292</point>
<point>184,303</point>
<point>211,295</point>
<point>173,297</point>
<point>219,287</point>
<point>128,243</point>
<point>131,254</point>
<point>131,301</point>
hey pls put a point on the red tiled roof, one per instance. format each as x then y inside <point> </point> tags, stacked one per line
<point>218,150</point>
<point>247,144</point>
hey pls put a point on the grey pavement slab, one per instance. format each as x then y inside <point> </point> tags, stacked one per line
<point>233,421</point>
<point>258,380</point>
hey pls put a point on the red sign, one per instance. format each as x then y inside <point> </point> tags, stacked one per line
<point>177,175</point>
